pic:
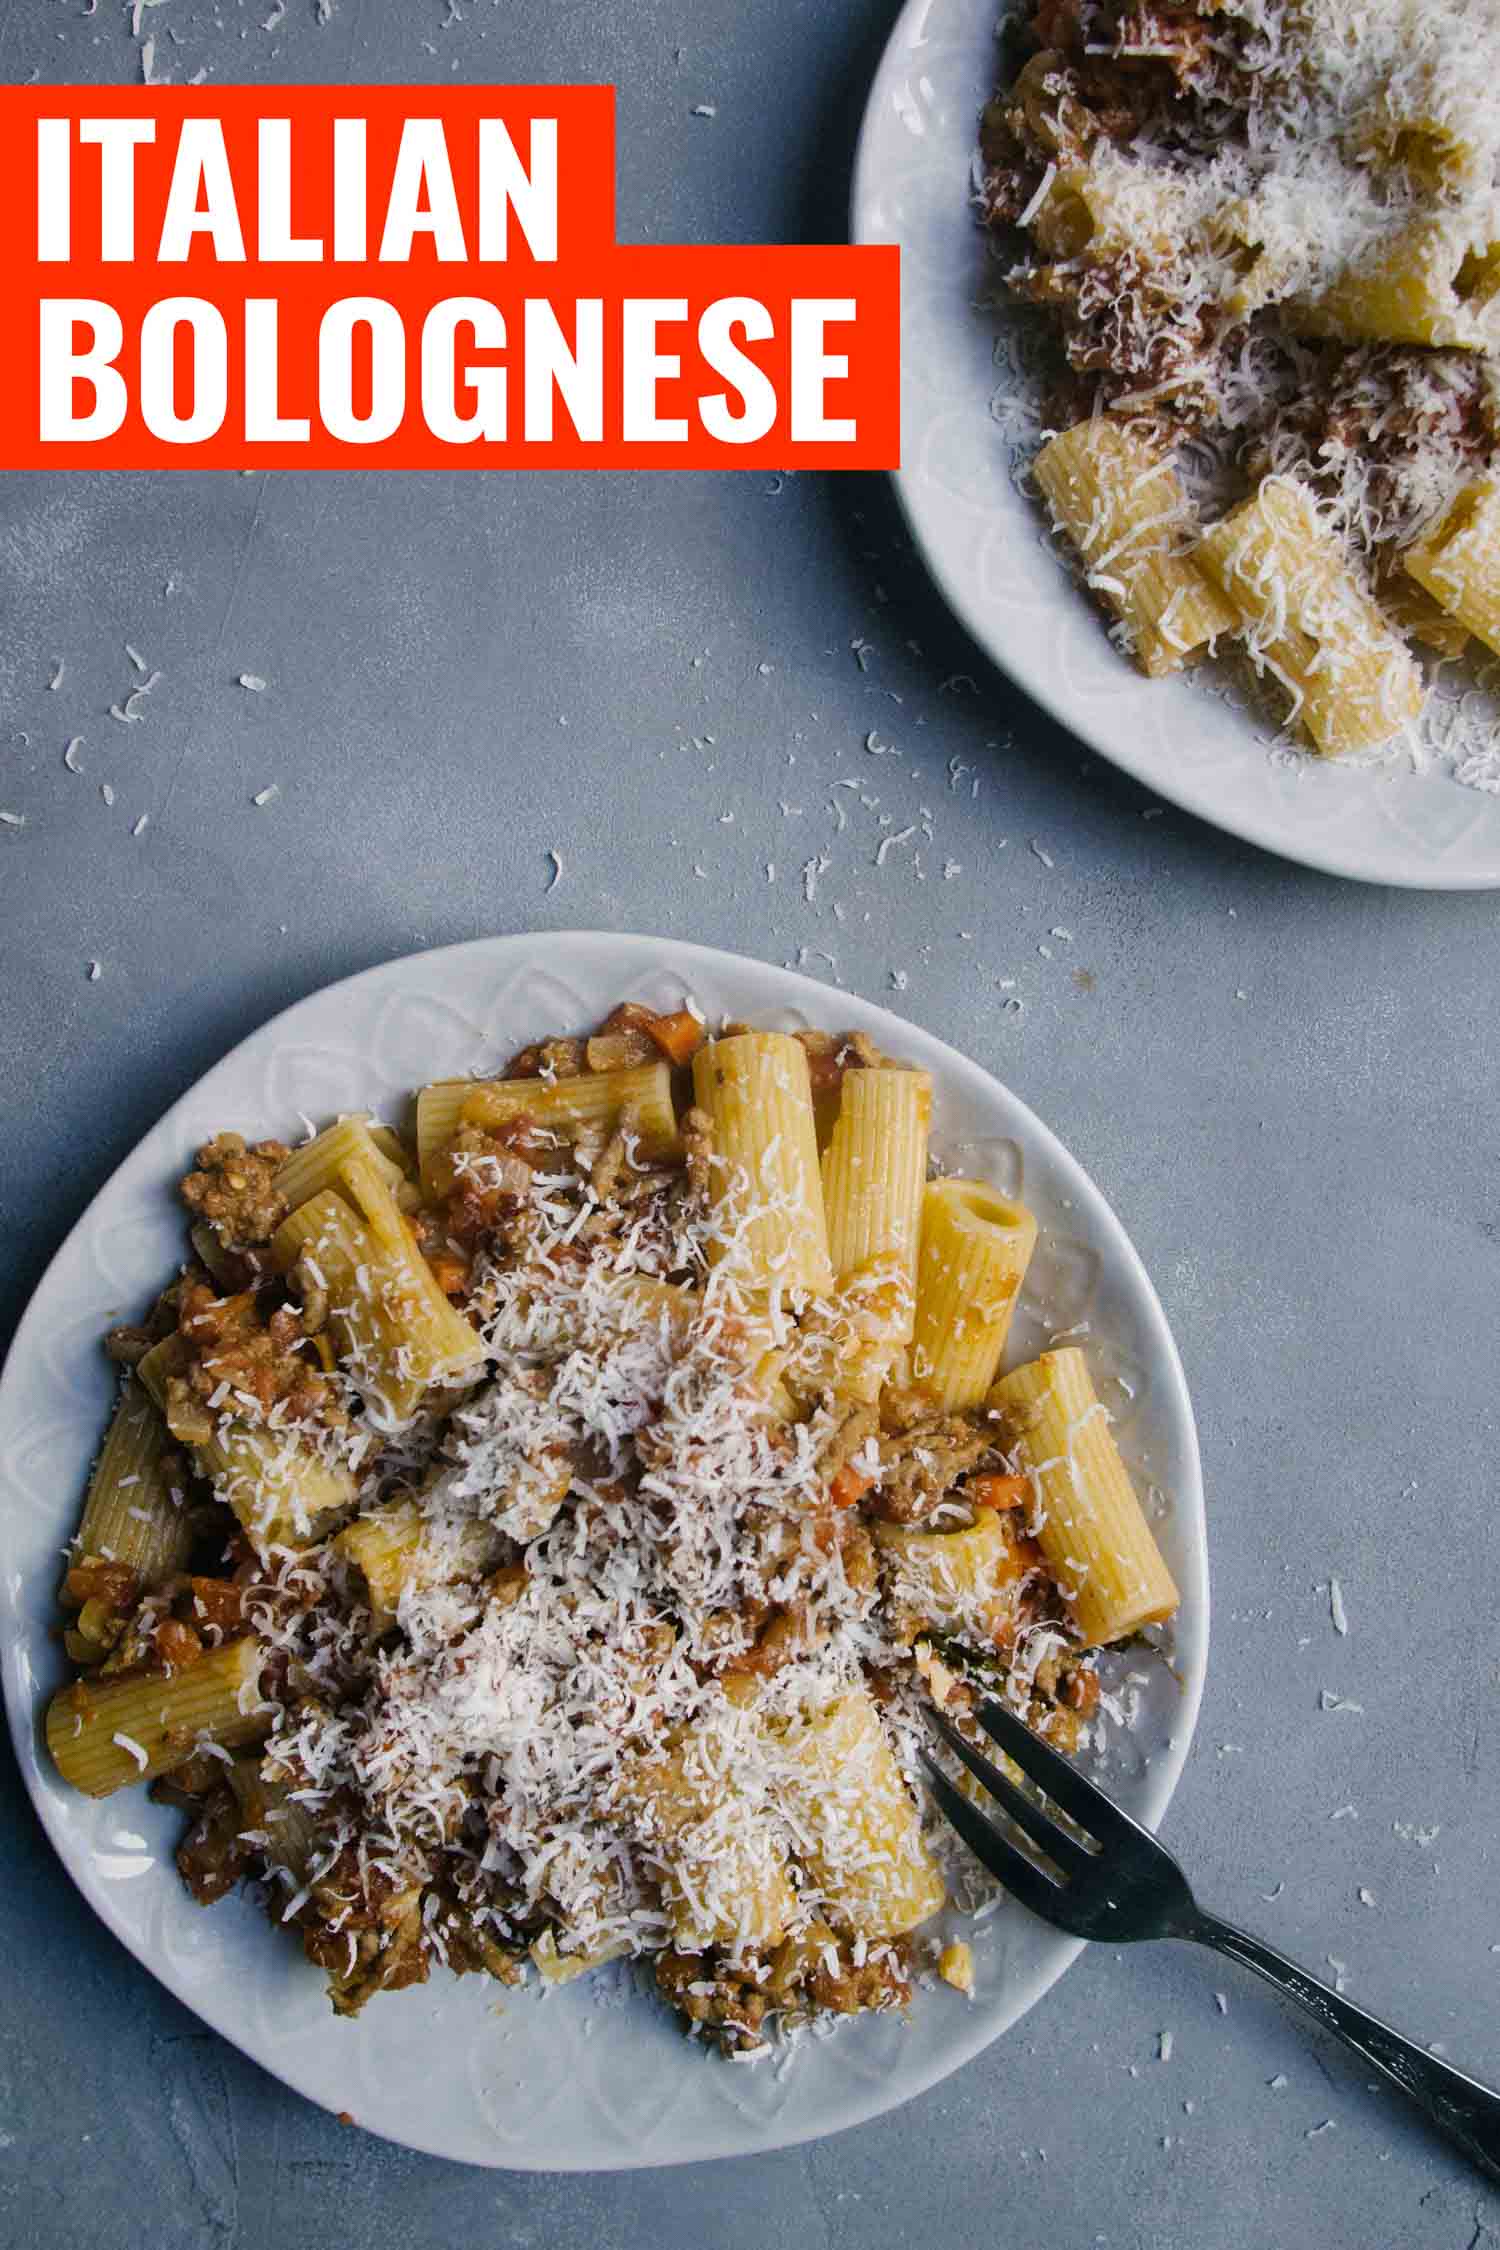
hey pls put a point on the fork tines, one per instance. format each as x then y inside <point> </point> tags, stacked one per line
<point>1040,1886</point>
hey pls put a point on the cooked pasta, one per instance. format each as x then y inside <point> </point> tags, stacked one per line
<point>1263,238</point>
<point>1089,1524</point>
<point>105,1733</point>
<point>1458,563</point>
<point>1130,521</point>
<point>397,1332</point>
<point>545,1554</point>
<point>756,1093</point>
<point>1307,621</point>
<point>856,1828</point>
<point>976,1246</point>
<point>572,1108</point>
<point>283,1489</point>
<point>135,1515</point>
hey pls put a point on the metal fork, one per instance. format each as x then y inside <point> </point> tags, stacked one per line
<point>1113,1882</point>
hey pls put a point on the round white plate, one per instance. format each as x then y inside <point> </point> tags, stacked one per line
<point>983,542</point>
<point>596,2075</point>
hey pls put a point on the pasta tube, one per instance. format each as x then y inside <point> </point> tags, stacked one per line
<point>1092,1529</point>
<point>976,1246</point>
<point>1458,563</point>
<point>281,1491</point>
<point>270,1812</point>
<point>725,1861</point>
<point>105,1733</point>
<point>556,1967</point>
<point>757,1094</point>
<point>1431,282</point>
<point>395,1546</point>
<point>1417,615</point>
<point>874,1168</point>
<point>954,1581</point>
<point>849,1343</point>
<point>396,1331</point>
<point>574,1108</point>
<point>136,1510</point>
<point>1308,621</point>
<point>1123,508</point>
<point>320,1162</point>
<point>854,1827</point>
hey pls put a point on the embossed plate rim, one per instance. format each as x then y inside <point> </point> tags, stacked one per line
<point>695,2106</point>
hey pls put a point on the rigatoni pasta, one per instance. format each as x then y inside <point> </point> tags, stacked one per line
<point>1089,1523</point>
<point>592,1104</point>
<point>756,1093</point>
<point>1124,509</point>
<point>105,1733</point>
<point>1458,562</point>
<point>281,1488</point>
<point>397,1331</point>
<point>1267,254</point>
<point>976,1246</point>
<point>857,1831</point>
<point>1309,623</point>
<point>546,1555</point>
<point>136,1512</point>
<point>724,1857</point>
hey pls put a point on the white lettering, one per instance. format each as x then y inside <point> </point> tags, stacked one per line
<point>209,361</point>
<point>505,185</point>
<point>61,364</point>
<point>642,367</point>
<point>336,370</point>
<point>423,199</point>
<point>756,415</point>
<point>201,166</point>
<point>575,373</point>
<point>813,367</point>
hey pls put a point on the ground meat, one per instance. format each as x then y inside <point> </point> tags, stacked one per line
<point>366,1933</point>
<point>216,1605</point>
<point>211,1859</point>
<point>93,1579</point>
<point>227,1340</point>
<point>607,1174</point>
<point>128,1344</point>
<point>471,1946</point>
<point>191,1783</point>
<point>698,1152</point>
<point>831,1053</point>
<point>922,1456</point>
<point>841,1987</point>
<point>549,1058</point>
<point>233,1189</point>
<point>788,1634</point>
<point>492,1171</point>
<point>811,1974</point>
<point>176,1644</point>
<point>725,2002</point>
<point>1385,432</point>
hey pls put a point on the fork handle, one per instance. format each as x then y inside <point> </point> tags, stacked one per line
<point>1460,2106</point>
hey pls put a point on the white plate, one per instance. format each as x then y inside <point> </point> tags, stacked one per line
<point>595,2075</point>
<point>982,540</point>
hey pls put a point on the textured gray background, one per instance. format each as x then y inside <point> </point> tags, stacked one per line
<point>1288,1086</point>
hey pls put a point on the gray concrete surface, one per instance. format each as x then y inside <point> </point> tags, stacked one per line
<point>1287,1085</point>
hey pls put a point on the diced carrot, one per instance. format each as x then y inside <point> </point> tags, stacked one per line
<point>998,1492</point>
<point>679,1036</point>
<point>450,1273</point>
<point>849,1484</point>
<point>176,1644</point>
<point>216,1601</point>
